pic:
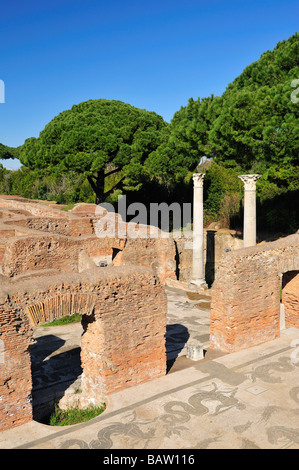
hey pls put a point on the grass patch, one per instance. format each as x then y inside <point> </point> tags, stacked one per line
<point>68,207</point>
<point>74,415</point>
<point>65,320</point>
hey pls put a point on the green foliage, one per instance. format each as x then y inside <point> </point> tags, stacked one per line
<point>254,124</point>
<point>8,152</point>
<point>185,143</point>
<point>252,128</point>
<point>96,139</point>
<point>107,147</point>
<point>38,184</point>
<point>74,415</point>
<point>277,198</point>
<point>222,193</point>
<point>258,122</point>
<point>65,320</point>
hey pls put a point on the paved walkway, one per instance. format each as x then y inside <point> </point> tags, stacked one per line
<point>244,400</point>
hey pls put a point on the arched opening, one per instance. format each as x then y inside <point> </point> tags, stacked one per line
<point>123,341</point>
<point>55,366</point>
<point>290,298</point>
<point>56,350</point>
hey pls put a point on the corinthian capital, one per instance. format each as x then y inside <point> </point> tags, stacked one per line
<point>249,181</point>
<point>198,180</point>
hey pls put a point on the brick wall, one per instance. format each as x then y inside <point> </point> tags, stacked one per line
<point>125,345</point>
<point>29,253</point>
<point>245,303</point>
<point>157,254</point>
<point>32,207</point>
<point>71,227</point>
<point>15,370</point>
<point>124,319</point>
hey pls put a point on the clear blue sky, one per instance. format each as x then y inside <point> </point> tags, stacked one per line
<point>153,54</point>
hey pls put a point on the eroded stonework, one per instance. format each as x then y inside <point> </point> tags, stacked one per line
<point>51,267</point>
<point>245,304</point>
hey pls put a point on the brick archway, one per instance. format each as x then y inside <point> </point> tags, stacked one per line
<point>61,305</point>
<point>123,344</point>
<point>245,303</point>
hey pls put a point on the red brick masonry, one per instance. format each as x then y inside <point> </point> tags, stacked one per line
<point>123,344</point>
<point>245,304</point>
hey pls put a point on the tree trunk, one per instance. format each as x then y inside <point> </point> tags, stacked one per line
<point>97,183</point>
<point>100,185</point>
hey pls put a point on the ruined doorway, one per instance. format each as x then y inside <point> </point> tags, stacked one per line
<point>56,350</point>
<point>55,365</point>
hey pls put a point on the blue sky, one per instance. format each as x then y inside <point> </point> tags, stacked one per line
<point>153,55</point>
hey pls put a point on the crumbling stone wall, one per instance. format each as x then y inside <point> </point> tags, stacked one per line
<point>216,244</point>
<point>157,254</point>
<point>70,227</point>
<point>75,239</point>
<point>30,253</point>
<point>123,344</point>
<point>125,337</point>
<point>15,366</point>
<point>245,303</point>
<point>27,206</point>
<point>68,241</point>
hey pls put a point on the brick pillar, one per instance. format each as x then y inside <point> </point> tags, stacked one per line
<point>124,340</point>
<point>245,303</point>
<point>15,368</point>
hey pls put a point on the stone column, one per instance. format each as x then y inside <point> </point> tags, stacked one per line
<point>198,276</point>
<point>249,231</point>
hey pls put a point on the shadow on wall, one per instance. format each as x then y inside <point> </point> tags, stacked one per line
<point>176,336</point>
<point>210,258</point>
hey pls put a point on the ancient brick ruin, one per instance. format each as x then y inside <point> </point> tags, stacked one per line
<point>245,305</point>
<point>37,237</point>
<point>51,266</point>
<point>124,320</point>
<point>48,270</point>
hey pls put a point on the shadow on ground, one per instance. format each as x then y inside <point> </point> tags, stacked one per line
<point>176,336</point>
<point>55,367</point>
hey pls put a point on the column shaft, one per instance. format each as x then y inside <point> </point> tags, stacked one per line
<point>198,273</point>
<point>249,223</point>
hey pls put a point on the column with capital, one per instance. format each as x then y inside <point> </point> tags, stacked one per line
<point>249,223</point>
<point>198,275</point>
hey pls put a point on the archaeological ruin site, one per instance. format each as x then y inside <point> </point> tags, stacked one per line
<point>54,264</point>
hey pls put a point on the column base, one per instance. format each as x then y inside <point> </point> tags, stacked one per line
<point>199,283</point>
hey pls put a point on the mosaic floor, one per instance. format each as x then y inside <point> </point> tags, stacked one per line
<point>244,400</point>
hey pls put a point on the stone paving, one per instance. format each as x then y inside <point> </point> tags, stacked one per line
<point>243,400</point>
